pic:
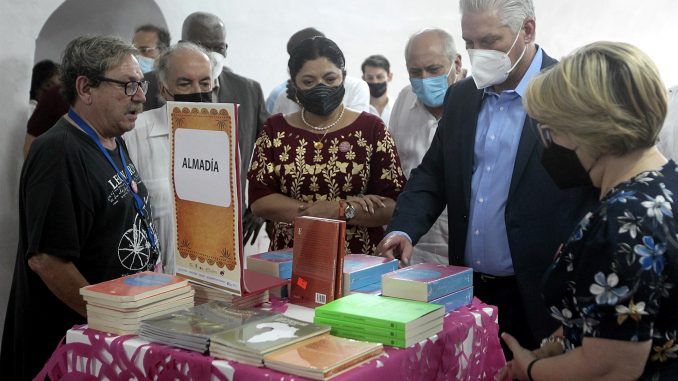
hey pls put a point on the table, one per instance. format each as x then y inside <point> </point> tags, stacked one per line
<point>467,349</point>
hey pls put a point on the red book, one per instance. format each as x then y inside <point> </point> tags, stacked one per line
<point>318,261</point>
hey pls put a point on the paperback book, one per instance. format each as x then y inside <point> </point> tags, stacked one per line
<point>362,270</point>
<point>426,281</point>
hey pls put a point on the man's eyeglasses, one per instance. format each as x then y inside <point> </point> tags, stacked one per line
<point>130,87</point>
<point>544,135</point>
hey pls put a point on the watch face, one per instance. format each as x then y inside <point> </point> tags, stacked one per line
<point>350,211</point>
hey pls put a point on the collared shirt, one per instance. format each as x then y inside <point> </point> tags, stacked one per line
<point>413,127</point>
<point>357,97</point>
<point>273,96</point>
<point>148,146</point>
<point>386,114</point>
<point>500,124</point>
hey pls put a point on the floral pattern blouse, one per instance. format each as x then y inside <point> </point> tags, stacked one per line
<point>616,276</point>
<point>360,158</point>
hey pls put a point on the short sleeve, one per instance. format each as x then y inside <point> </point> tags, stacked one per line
<point>626,292</point>
<point>387,177</point>
<point>57,222</point>
<point>262,178</point>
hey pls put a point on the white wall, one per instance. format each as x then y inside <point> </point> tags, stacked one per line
<point>257,32</point>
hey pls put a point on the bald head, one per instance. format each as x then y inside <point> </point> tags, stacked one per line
<point>184,69</point>
<point>206,30</point>
<point>431,41</point>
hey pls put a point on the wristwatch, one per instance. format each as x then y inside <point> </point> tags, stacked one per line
<point>349,212</point>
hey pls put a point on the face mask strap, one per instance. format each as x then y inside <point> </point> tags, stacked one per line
<point>521,54</point>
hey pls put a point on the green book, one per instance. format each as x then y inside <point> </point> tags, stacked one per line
<point>392,341</point>
<point>381,311</point>
<point>365,329</point>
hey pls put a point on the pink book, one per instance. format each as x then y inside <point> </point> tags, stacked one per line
<point>134,287</point>
<point>426,281</point>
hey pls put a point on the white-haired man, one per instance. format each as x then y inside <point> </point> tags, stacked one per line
<point>433,65</point>
<point>185,75</point>
<point>506,215</point>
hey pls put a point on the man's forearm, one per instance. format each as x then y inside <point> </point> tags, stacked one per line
<point>62,278</point>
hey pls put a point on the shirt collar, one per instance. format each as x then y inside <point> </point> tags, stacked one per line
<point>159,126</point>
<point>532,70</point>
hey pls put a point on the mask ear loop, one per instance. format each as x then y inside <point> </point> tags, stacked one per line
<point>521,54</point>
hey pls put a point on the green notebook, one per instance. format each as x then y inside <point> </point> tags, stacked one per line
<point>365,329</point>
<point>381,311</point>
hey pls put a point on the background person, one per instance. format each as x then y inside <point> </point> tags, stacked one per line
<point>377,73</point>
<point>326,160</point>
<point>612,286</point>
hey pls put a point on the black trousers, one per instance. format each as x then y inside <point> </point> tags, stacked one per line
<point>504,293</point>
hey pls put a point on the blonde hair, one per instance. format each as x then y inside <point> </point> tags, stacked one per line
<point>606,96</point>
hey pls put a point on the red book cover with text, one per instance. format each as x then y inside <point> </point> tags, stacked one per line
<point>318,260</point>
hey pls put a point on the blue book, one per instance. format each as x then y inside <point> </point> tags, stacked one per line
<point>274,263</point>
<point>374,289</point>
<point>426,281</point>
<point>455,300</point>
<point>362,270</point>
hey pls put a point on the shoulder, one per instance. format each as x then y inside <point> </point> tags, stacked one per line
<point>231,78</point>
<point>370,124</point>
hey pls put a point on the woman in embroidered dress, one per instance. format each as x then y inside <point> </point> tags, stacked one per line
<point>325,160</point>
<point>612,284</point>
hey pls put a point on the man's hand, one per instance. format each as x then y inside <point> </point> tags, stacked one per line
<point>396,246</point>
<point>251,225</point>
<point>515,369</point>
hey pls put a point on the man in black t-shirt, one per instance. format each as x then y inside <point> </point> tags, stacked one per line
<point>82,204</point>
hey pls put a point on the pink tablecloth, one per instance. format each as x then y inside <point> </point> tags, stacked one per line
<point>467,349</point>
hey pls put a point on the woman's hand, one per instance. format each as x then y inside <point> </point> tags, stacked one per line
<point>322,209</point>
<point>368,202</point>
<point>515,369</point>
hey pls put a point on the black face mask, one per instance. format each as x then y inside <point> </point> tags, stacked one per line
<point>321,99</point>
<point>377,89</point>
<point>564,167</point>
<point>205,97</point>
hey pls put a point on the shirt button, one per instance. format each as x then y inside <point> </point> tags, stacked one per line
<point>488,168</point>
<point>481,200</point>
<point>477,232</point>
<point>492,137</point>
<point>501,108</point>
<point>477,262</point>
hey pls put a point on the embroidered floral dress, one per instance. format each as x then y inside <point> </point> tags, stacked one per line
<point>615,278</point>
<point>361,158</point>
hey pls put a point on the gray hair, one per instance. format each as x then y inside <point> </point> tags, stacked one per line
<point>162,64</point>
<point>91,57</point>
<point>511,12</point>
<point>449,48</point>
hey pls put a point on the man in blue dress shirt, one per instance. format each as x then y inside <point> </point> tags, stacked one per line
<point>506,216</point>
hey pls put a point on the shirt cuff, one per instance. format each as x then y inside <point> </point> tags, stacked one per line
<point>400,233</point>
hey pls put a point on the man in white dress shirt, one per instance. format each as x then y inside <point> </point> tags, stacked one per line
<point>377,73</point>
<point>185,75</point>
<point>433,64</point>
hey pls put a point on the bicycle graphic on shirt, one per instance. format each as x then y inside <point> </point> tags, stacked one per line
<point>134,249</point>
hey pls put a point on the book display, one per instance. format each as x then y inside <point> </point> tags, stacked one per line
<point>362,273</point>
<point>426,281</point>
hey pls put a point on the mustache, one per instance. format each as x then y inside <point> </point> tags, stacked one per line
<point>138,108</point>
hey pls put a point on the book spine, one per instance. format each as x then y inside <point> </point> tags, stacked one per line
<point>360,319</point>
<point>445,286</point>
<point>360,328</point>
<point>371,275</point>
<point>339,270</point>
<point>285,270</point>
<point>394,342</point>
<point>455,299</point>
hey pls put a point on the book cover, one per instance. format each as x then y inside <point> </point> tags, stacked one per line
<point>380,311</point>
<point>205,178</point>
<point>322,357</point>
<point>426,281</point>
<point>391,341</point>
<point>317,264</point>
<point>456,299</point>
<point>275,263</point>
<point>361,270</point>
<point>365,329</point>
<point>133,287</point>
<point>266,335</point>
<point>142,304</point>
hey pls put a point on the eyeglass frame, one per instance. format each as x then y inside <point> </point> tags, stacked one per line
<point>143,85</point>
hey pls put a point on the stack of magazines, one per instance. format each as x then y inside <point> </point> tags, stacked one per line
<point>118,306</point>
<point>192,328</point>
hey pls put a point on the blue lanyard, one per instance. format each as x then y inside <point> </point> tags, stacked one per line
<point>139,204</point>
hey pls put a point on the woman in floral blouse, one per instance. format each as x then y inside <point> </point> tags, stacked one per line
<point>326,160</point>
<point>612,285</point>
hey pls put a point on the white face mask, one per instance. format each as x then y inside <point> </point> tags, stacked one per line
<point>492,67</point>
<point>218,61</point>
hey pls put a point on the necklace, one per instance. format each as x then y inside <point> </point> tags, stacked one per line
<point>319,143</point>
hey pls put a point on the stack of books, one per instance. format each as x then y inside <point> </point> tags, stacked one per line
<point>322,357</point>
<point>205,294</point>
<point>192,328</point>
<point>258,285</point>
<point>119,305</point>
<point>362,273</point>
<point>250,342</point>
<point>274,263</point>
<point>390,321</point>
<point>450,286</point>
